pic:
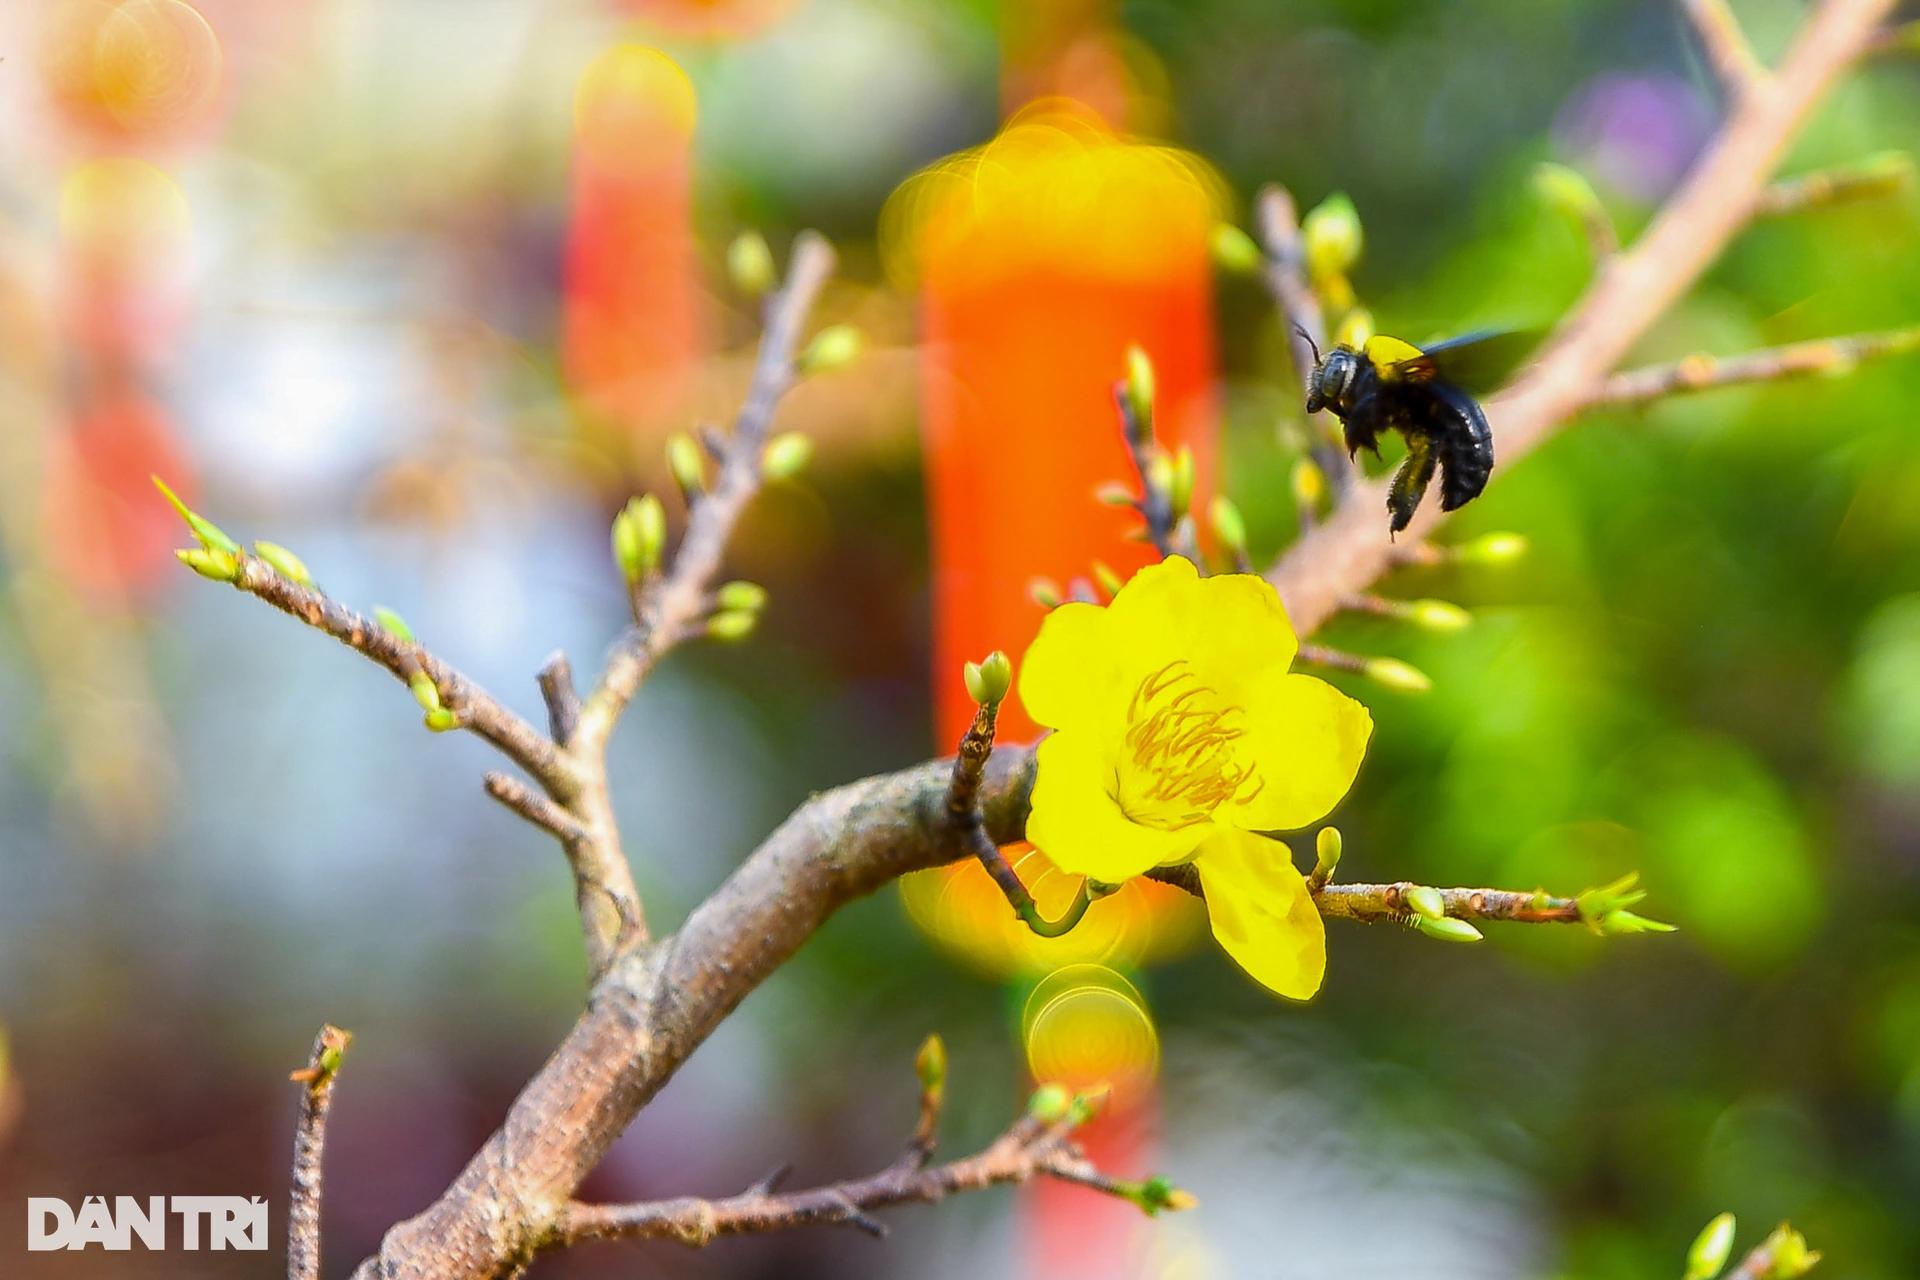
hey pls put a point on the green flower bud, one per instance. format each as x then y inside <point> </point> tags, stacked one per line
<point>626,546</point>
<point>425,692</point>
<point>744,597</point>
<point>1140,390</point>
<point>1492,548</point>
<point>1049,1103</point>
<point>393,623</point>
<point>733,624</point>
<point>1426,900</point>
<point>204,531</point>
<point>1109,581</point>
<point>686,462</point>
<point>1397,675</point>
<point>1229,526</point>
<point>1113,494</point>
<point>750,264</point>
<point>441,720</point>
<point>930,1064</point>
<point>1044,592</point>
<point>210,562</point>
<point>1160,473</point>
<point>1333,237</point>
<point>650,524</point>
<point>1180,490</point>
<point>1309,485</point>
<point>1791,1257</point>
<point>786,456</point>
<point>1711,1248</point>
<point>284,562</point>
<point>1326,850</point>
<point>1567,191</point>
<point>1088,1103</point>
<point>1447,929</point>
<point>989,679</point>
<point>1356,328</point>
<point>834,347</point>
<point>1235,251</point>
<point>1438,615</point>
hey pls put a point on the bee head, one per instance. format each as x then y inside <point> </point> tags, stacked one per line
<point>1333,378</point>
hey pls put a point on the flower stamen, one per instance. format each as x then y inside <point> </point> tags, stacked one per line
<point>1182,743</point>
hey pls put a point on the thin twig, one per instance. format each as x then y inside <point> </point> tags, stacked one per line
<point>309,1146</point>
<point>1844,184</point>
<point>1372,903</point>
<point>1024,1152</point>
<point>1822,356</point>
<point>1305,324</point>
<point>1319,655</point>
<point>1726,45</point>
<point>672,603</point>
<point>563,702</point>
<point>535,808</point>
<point>1155,503</point>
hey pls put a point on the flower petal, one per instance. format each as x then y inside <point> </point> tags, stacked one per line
<point>1228,627</point>
<point>1261,911</point>
<point>1076,822</point>
<point>1067,675</point>
<point>1305,740</point>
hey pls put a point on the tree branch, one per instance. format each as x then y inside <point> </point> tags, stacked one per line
<point>309,1145</point>
<point>1352,550</point>
<point>1822,356</point>
<point>1372,903</point>
<point>1726,45</point>
<point>1285,276</point>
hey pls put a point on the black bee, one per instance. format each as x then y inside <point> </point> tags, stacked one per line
<point>1393,385</point>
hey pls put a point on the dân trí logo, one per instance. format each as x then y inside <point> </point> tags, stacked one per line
<point>232,1222</point>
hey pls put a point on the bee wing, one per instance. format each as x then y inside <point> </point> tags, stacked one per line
<point>1477,361</point>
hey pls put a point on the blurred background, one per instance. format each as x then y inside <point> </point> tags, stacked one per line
<point>418,288</point>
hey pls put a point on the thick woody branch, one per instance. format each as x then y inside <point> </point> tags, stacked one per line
<point>660,1002</point>
<point>1828,357</point>
<point>475,708</point>
<point>1024,1152</point>
<point>309,1146</point>
<point>1306,325</point>
<point>1353,550</point>
<point>669,606</point>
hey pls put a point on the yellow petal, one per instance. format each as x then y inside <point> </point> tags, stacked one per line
<point>1261,911</point>
<point>1067,675</point>
<point>1076,823</point>
<point>1305,740</point>
<point>1228,627</point>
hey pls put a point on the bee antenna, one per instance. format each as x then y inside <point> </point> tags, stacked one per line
<point>1311,344</point>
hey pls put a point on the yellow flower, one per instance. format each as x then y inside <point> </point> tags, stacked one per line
<point>1179,732</point>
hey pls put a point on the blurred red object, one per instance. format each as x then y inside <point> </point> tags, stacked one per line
<point>109,533</point>
<point>711,18</point>
<point>631,318</point>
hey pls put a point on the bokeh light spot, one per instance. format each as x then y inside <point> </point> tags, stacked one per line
<point>1086,1025</point>
<point>634,109</point>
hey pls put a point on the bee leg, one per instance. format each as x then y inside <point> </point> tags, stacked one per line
<point>1410,482</point>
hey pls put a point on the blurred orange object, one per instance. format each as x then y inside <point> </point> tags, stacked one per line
<point>630,326</point>
<point>107,532</point>
<point>132,70</point>
<point>711,18</point>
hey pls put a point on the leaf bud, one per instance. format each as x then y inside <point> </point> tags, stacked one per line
<point>733,624</point>
<point>1438,615</point>
<point>1791,1257</point>
<point>1113,494</point>
<point>834,347</point>
<point>284,562</point>
<point>787,455</point>
<point>1044,592</point>
<point>1234,250</point>
<point>1333,237</point>
<point>1160,473</point>
<point>687,463</point>
<point>204,531</point>
<point>1327,847</point>
<point>930,1064</point>
<point>1049,1103</point>
<point>1089,1103</point>
<point>210,562</point>
<point>1140,391</point>
<point>441,720</point>
<point>1309,485</point>
<point>746,597</point>
<point>1492,548</point>
<point>1229,526</point>
<point>1180,489</point>
<point>1711,1248</point>
<point>750,264</point>
<point>1426,900</point>
<point>425,692</point>
<point>1397,675</point>
<point>393,624</point>
<point>1567,191</point>
<point>1109,581</point>
<point>1623,922</point>
<point>1447,929</point>
<point>989,679</point>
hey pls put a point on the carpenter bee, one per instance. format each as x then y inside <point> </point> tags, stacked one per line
<point>1393,385</point>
